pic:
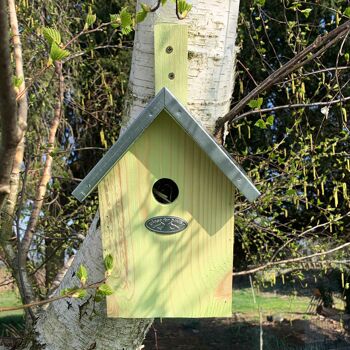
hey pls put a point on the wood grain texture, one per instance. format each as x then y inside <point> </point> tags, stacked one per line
<point>187,274</point>
<point>175,62</point>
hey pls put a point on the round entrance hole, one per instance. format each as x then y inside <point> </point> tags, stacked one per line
<point>165,191</point>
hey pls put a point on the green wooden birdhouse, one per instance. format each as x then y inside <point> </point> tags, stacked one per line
<point>166,197</point>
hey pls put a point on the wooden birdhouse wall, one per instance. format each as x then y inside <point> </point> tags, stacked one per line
<point>186,274</point>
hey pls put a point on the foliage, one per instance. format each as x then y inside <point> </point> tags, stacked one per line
<point>94,55</point>
<point>292,142</point>
<point>294,139</point>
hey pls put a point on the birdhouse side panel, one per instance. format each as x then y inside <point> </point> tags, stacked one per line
<point>183,274</point>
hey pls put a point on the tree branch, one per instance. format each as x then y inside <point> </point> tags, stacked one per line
<point>46,175</point>
<point>296,105</point>
<point>320,45</point>
<point>9,137</point>
<point>50,300</point>
<point>289,261</point>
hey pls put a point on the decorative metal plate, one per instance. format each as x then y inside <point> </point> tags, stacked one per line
<point>166,224</point>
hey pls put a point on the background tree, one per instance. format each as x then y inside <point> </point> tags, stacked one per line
<point>67,117</point>
<point>288,127</point>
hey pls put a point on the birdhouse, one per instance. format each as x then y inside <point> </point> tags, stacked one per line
<point>166,198</point>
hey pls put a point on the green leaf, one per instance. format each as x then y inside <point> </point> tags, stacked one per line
<point>140,16</point>
<point>90,19</point>
<point>256,104</point>
<point>259,2</point>
<point>108,262</point>
<point>291,192</point>
<point>68,291</point>
<point>17,81</point>
<point>82,274</point>
<point>65,291</point>
<point>115,20</point>
<point>270,119</point>
<point>346,56</point>
<point>74,292</point>
<point>306,12</point>
<point>56,53</point>
<point>104,289</point>
<point>261,124</point>
<point>98,298</point>
<point>79,293</point>
<point>347,12</point>
<point>125,21</point>
<point>184,8</point>
<point>52,35</point>
<point>145,7</point>
<point>163,2</point>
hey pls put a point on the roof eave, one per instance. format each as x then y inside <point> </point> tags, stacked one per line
<point>165,100</point>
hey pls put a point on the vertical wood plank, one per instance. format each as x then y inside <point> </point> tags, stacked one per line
<point>170,59</point>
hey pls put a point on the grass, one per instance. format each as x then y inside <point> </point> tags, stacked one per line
<point>268,303</point>
<point>10,320</point>
<point>10,298</point>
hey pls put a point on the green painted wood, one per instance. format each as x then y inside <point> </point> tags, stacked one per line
<point>170,59</point>
<point>188,274</point>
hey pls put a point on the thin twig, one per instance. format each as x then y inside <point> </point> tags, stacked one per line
<point>289,261</point>
<point>50,300</point>
<point>319,46</point>
<point>296,105</point>
<point>46,175</point>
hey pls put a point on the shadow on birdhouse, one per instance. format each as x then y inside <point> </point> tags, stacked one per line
<point>166,206</point>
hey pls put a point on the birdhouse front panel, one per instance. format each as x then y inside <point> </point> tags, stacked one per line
<point>167,219</point>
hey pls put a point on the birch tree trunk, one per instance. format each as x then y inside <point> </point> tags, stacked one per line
<point>212,30</point>
<point>212,26</point>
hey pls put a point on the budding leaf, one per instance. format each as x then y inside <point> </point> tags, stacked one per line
<point>82,274</point>
<point>57,53</point>
<point>125,21</point>
<point>108,262</point>
<point>68,291</point>
<point>145,7</point>
<point>104,289</point>
<point>90,19</point>
<point>261,124</point>
<point>79,293</point>
<point>17,81</point>
<point>270,119</point>
<point>256,103</point>
<point>52,35</point>
<point>140,16</point>
<point>184,8</point>
<point>306,12</point>
<point>115,20</point>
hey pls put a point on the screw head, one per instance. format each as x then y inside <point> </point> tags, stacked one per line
<point>171,76</point>
<point>169,49</point>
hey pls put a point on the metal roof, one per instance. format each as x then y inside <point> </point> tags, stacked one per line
<point>164,100</point>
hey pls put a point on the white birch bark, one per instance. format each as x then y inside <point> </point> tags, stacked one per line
<point>212,29</point>
<point>77,327</point>
<point>211,45</point>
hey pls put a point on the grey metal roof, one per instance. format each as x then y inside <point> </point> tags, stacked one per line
<point>164,100</point>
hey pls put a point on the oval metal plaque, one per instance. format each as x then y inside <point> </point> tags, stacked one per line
<point>166,224</point>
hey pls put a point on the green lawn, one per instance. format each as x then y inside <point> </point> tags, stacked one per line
<point>11,319</point>
<point>268,303</point>
<point>10,299</point>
